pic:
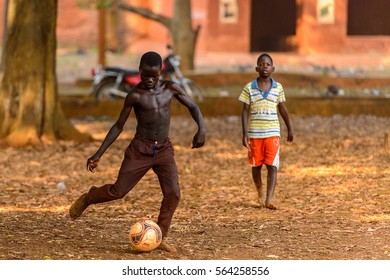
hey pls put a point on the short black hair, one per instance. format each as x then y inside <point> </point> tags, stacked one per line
<point>264,55</point>
<point>151,59</point>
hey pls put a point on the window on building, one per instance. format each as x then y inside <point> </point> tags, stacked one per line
<point>368,17</point>
<point>228,11</point>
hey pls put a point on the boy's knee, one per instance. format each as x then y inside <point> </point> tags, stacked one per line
<point>173,196</point>
<point>117,192</point>
<point>272,168</point>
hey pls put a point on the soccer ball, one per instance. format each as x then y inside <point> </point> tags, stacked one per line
<point>145,235</point>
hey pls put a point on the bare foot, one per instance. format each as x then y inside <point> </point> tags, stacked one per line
<point>270,206</point>
<point>78,207</point>
<point>260,200</point>
<point>164,246</point>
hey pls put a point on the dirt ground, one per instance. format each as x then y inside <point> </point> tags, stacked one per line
<point>332,196</point>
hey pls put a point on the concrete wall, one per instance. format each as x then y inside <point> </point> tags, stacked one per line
<point>76,107</point>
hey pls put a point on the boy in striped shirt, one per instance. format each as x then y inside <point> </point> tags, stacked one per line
<point>263,98</point>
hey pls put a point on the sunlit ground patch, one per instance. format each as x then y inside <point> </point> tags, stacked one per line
<point>376,218</point>
<point>54,209</point>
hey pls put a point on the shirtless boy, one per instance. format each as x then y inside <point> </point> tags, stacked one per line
<point>150,147</point>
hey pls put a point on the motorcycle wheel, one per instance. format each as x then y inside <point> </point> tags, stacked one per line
<point>103,91</point>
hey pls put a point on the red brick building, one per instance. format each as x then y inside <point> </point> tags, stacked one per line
<point>301,26</point>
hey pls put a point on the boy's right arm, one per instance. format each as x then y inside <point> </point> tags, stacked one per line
<point>244,120</point>
<point>113,133</point>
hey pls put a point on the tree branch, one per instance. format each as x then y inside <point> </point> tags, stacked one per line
<point>196,33</point>
<point>147,13</point>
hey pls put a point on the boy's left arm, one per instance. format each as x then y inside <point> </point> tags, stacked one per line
<point>284,113</point>
<point>200,137</point>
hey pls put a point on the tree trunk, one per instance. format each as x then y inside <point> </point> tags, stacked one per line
<point>30,111</point>
<point>102,36</point>
<point>183,36</point>
<point>114,23</point>
<point>180,26</point>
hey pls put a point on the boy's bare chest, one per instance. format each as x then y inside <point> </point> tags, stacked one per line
<point>154,101</point>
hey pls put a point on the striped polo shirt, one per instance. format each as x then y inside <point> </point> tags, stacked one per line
<point>264,120</point>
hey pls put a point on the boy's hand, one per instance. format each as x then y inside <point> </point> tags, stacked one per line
<point>92,163</point>
<point>290,136</point>
<point>245,142</point>
<point>199,139</point>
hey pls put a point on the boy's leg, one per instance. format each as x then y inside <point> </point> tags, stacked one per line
<point>105,193</point>
<point>78,206</point>
<point>256,159</point>
<point>272,148</point>
<point>256,175</point>
<point>131,171</point>
<point>166,170</point>
<point>271,183</point>
<point>171,195</point>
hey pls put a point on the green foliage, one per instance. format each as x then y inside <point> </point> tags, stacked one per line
<point>94,4</point>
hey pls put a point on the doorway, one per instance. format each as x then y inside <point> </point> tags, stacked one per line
<point>272,24</point>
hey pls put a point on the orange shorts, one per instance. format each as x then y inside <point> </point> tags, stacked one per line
<point>264,151</point>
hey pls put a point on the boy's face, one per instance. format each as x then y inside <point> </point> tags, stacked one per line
<point>149,75</point>
<point>265,67</point>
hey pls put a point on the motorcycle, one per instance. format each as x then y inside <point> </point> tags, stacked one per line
<point>114,82</point>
